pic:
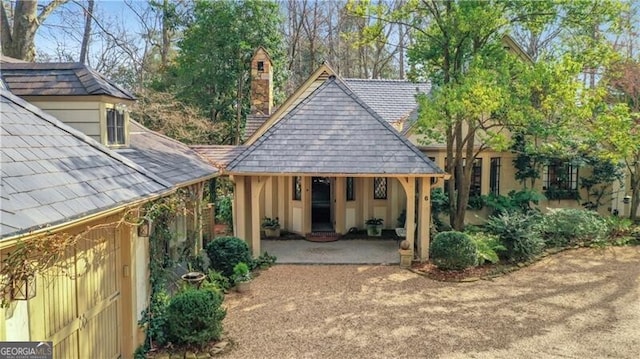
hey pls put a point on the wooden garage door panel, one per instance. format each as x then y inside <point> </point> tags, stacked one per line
<point>59,295</point>
<point>96,265</point>
<point>81,299</point>
<point>100,337</point>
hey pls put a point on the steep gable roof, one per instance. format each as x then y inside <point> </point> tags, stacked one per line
<point>393,100</point>
<point>171,160</point>
<point>53,174</point>
<point>332,131</point>
<point>58,79</point>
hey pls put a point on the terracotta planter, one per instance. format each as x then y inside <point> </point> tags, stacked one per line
<point>272,232</point>
<point>242,287</point>
<point>374,230</point>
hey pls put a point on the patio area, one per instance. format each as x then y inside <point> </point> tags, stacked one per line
<point>343,251</point>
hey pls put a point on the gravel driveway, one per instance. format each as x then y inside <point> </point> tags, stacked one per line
<point>578,304</point>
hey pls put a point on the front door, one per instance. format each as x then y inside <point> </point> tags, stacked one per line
<point>321,204</point>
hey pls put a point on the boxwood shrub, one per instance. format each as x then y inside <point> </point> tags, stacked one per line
<point>226,252</point>
<point>194,317</point>
<point>453,251</point>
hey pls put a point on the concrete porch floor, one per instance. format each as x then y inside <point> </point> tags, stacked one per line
<point>345,251</point>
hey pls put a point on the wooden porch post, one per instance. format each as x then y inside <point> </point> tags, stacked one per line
<point>341,201</point>
<point>409,185</point>
<point>239,203</point>
<point>257,184</point>
<point>424,221</point>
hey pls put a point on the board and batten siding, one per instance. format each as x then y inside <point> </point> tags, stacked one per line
<point>83,116</point>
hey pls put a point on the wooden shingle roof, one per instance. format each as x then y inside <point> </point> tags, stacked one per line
<point>58,79</point>
<point>332,131</point>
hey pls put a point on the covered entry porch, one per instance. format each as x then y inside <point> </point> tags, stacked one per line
<point>351,201</point>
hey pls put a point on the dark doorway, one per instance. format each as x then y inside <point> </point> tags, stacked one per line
<point>321,204</point>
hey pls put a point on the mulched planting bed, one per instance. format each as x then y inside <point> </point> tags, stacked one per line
<point>467,275</point>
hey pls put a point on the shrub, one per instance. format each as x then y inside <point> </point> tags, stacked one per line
<point>264,261</point>
<point>224,209</point>
<point>194,316</point>
<point>241,273</point>
<point>515,201</point>
<point>216,281</point>
<point>453,250</point>
<point>488,246</point>
<point>226,252</point>
<point>517,234</point>
<point>565,226</point>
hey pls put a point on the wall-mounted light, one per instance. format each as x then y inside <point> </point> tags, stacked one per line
<point>23,288</point>
<point>626,199</point>
<point>144,228</point>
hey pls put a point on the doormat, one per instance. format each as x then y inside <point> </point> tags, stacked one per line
<point>322,236</point>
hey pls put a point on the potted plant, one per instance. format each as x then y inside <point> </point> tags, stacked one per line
<point>241,277</point>
<point>374,227</point>
<point>271,227</point>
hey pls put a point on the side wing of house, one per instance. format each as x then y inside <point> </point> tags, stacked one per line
<point>60,186</point>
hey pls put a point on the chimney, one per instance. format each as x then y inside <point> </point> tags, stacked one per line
<point>261,83</point>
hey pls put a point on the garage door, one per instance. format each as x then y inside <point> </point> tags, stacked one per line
<point>81,299</point>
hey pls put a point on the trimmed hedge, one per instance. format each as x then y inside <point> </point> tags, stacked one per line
<point>194,316</point>
<point>453,250</point>
<point>226,252</point>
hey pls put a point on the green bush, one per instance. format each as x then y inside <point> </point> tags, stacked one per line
<point>226,252</point>
<point>517,234</point>
<point>263,262</point>
<point>224,209</point>
<point>194,317</point>
<point>515,201</point>
<point>488,246</point>
<point>453,250</point>
<point>216,281</point>
<point>565,226</point>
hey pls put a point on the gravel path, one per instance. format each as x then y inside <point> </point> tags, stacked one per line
<point>578,304</point>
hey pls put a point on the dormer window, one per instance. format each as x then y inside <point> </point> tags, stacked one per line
<point>260,66</point>
<point>115,127</point>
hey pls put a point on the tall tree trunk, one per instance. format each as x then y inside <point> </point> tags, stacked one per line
<point>18,42</point>
<point>166,36</point>
<point>87,32</point>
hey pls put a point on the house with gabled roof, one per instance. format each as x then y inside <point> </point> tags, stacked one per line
<point>325,160</point>
<point>81,173</point>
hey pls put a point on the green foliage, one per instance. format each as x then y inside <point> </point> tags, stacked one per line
<point>212,69</point>
<point>265,260</point>
<point>603,173</point>
<point>516,201</point>
<point>194,317</point>
<point>241,273</point>
<point>565,226</point>
<point>270,223</point>
<point>225,252</point>
<point>374,221</point>
<point>216,281</point>
<point>439,204</point>
<point>517,234</point>
<point>224,209</point>
<point>154,317</point>
<point>453,251</point>
<point>488,246</point>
